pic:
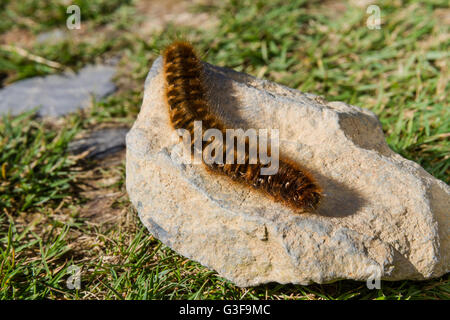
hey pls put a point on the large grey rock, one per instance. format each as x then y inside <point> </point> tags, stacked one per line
<point>381,214</point>
<point>57,95</point>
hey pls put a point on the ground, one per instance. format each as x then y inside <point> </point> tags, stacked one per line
<point>58,210</point>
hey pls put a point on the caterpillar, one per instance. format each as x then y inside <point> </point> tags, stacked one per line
<point>186,97</point>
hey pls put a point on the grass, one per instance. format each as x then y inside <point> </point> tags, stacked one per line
<point>42,15</point>
<point>35,169</point>
<point>58,211</point>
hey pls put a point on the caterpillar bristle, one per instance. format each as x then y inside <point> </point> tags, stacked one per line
<point>187,101</point>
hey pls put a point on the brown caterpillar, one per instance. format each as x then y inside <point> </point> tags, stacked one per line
<point>187,101</point>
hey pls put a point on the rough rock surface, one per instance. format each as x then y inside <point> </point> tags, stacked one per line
<point>58,94</point>
<point>381,214</point>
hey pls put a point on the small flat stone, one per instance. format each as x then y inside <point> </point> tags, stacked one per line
<point>100,144</point>
<point>52,36</point>
<point>57,95</point>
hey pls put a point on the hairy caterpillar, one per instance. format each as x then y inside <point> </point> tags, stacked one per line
<point>187,101</point>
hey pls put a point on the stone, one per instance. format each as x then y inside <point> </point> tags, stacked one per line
<point>100,144</point>
<point>52,37</point>
<point>381,217</point>
<point>58,94</point>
